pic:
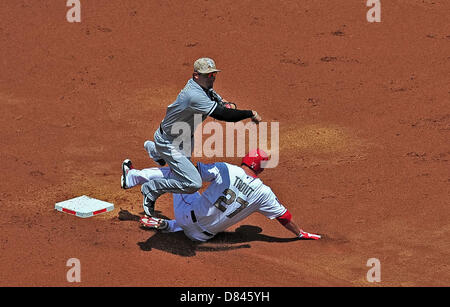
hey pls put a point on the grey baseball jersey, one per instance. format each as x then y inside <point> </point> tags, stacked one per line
<point>190,101</point>
<point>181,114</point>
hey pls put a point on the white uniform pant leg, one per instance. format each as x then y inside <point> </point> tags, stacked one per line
<point>173,226</point>
<point>183,205</point>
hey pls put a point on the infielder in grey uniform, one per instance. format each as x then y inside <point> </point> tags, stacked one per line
<point>173,140</point>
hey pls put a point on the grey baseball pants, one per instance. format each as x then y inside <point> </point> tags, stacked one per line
<point>184,177</point>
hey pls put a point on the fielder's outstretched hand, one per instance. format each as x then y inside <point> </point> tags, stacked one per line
<point>256,118</point>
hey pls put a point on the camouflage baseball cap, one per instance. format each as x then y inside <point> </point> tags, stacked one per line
<point>205,66</point>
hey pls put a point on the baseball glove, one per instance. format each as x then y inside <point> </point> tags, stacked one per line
<point>229,105</point>
<point>217,98</point>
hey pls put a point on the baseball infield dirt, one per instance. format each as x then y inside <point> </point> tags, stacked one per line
<point>364,117</point>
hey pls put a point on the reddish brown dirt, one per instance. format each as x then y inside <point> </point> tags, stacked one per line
<point>364,136</point>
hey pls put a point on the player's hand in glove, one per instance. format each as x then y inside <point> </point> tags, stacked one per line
<point>228,104</point>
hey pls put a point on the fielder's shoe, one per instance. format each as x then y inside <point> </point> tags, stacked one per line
<point>154,223</point>
<point>153,153</point>
<point>149,205</point>
<point>308,236</point>
<point>126,166</point>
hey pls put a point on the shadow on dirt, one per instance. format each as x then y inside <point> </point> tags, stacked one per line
<point>178,244</point>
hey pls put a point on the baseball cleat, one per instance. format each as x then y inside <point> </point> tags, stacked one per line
<point>149,205</point>
<point>153,153</point>
<point>153,222</point>
<point>126,166</point>
<point>308,236</point>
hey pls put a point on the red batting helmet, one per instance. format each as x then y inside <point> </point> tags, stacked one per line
<point>253,160</point>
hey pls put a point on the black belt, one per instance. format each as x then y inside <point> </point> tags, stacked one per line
<point>194,219</point>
